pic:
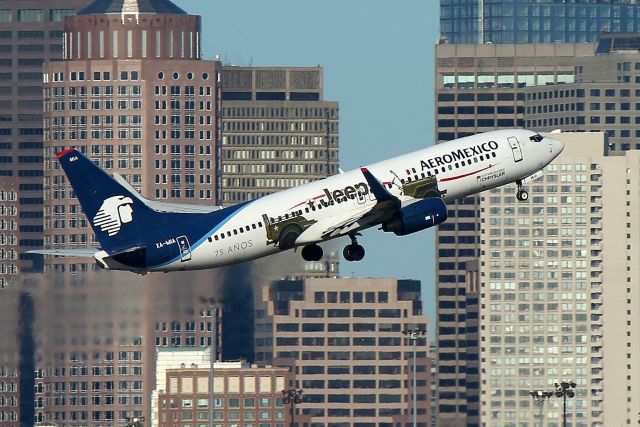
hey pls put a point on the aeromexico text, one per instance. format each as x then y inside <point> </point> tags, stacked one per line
<point>460,154</point>
<point>362,188</point>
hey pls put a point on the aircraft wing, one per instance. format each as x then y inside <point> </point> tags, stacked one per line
<point>78,253</point>
<point>387,204</point>
<point>165,206</point>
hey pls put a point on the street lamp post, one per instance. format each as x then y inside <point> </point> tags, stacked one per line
<point>565,389</point>
<point>292,397</point>
<point>540,396</point>
<point>414,335</point>
<point>211,304</point>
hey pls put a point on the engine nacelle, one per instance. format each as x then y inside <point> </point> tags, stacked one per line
<point>417,216</point>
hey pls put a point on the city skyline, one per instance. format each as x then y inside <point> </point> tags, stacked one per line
<point>382,79</point>
<point>378,64</point>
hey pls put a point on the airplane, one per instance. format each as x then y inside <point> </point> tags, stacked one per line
<point>402,195</point>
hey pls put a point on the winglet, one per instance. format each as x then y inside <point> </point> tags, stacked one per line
<point>377,189</point>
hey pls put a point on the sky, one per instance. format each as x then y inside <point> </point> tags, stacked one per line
<point>378,61</point>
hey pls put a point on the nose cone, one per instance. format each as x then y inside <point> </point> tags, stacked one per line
<point>555,146</point>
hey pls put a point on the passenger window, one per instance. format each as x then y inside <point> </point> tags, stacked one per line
<point>222,236</point>
<point>216,237</point>
<point>259,224</point>
<point>248,228</point>
<point>235,232</point>
<point>241,230</point>
<point>253,226</point>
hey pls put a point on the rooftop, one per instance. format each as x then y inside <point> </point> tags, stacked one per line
<point>99,7</point>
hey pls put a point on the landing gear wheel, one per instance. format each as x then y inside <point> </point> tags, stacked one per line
<point>312,253</point>
<point>288,237</point>
<point>522,194</point>
<point>353,252</point>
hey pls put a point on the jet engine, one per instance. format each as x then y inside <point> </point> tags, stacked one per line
<point>417,216</point>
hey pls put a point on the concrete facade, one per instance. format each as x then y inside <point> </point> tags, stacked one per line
<point>133,94</point>
<point>478,88</point>
<point>243,395</point>
<point>352,360</point>
<point>278,131</point>
<point>602,99</point>
<point>557,294</point>
<point>30,34</point>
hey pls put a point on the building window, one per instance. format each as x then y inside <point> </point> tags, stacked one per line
<point>30,15</point>
<point>57,15</point>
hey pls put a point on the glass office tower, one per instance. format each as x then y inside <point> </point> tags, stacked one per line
<point>535,21</point>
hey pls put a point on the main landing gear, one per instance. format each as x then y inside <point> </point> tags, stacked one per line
<point>353,252</point>
<point>521,194</point>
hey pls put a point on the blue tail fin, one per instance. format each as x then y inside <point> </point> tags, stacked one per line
<point>118,218</point>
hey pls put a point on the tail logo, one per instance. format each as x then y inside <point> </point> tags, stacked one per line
<point>114,212</point>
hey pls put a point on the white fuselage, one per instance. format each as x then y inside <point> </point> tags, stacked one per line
<point>480,162</point>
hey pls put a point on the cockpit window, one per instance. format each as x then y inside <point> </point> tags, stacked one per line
<point>536,138</point>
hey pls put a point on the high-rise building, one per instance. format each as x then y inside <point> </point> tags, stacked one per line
<point>541,291</point>
<point>133,94</point>
<point>10,209</point>
<point>558,291</point>
<point>535,21</point>
<point>278,131</point>
<point>478,88</point>
<point>352,360</point>
<point>30,34</point>
<point>10,414</point>
<point>600,99</point>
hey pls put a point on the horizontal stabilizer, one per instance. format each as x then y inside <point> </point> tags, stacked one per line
<point>77,253</point>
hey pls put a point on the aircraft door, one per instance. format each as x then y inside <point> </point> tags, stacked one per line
<point>185,248</point>
<point>515,148</point>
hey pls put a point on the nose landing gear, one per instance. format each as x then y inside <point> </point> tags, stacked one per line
<point>521,194</point>
<point>353,252</point>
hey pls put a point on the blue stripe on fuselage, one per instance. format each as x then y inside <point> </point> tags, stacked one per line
<point>218,221</point>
